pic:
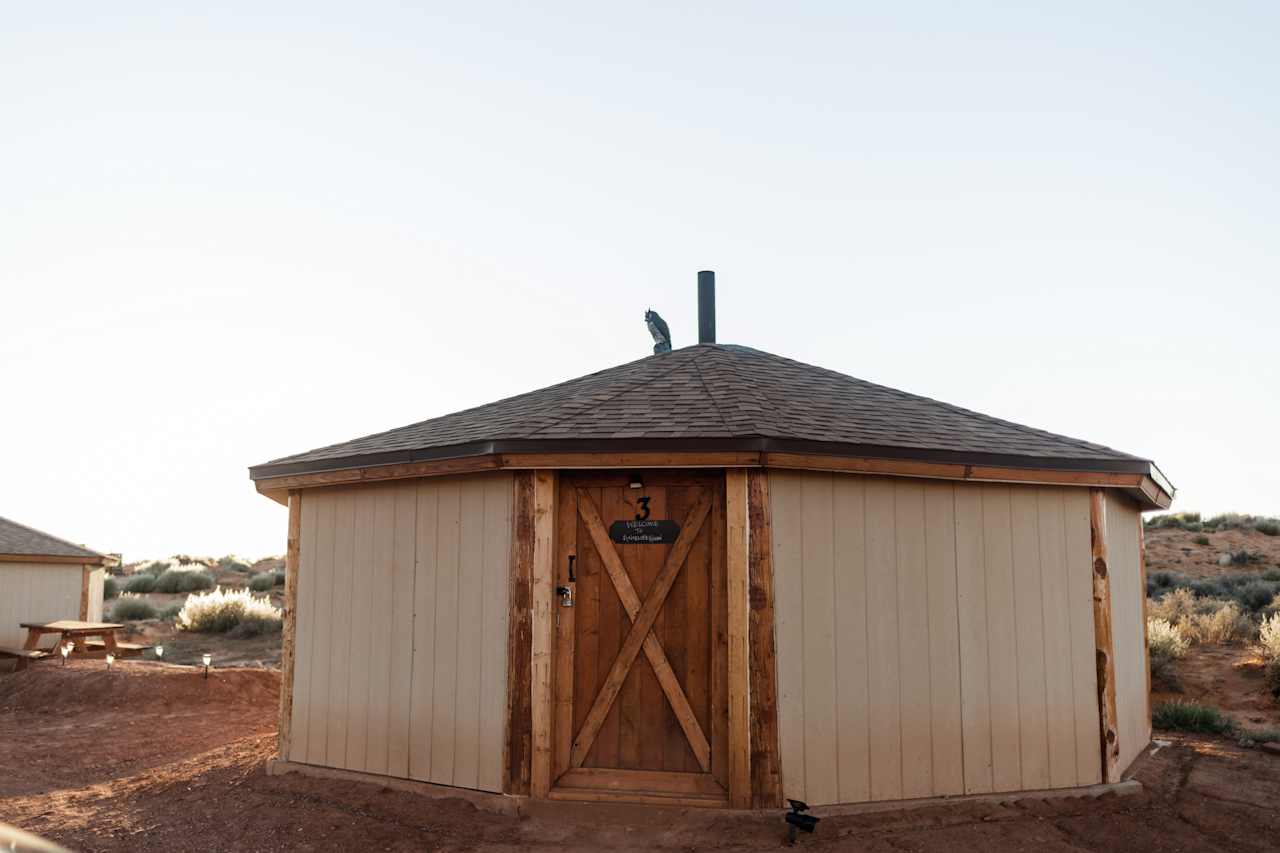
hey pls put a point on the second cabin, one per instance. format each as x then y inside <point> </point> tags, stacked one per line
<point>717,577</point>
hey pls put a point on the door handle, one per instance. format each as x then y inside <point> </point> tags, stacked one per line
<point>572,579</point>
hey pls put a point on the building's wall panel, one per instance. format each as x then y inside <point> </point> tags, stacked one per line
<point>1127,630</point>
<point>37,592</point>
<point>933,638</point>
<point>401,629</point>
<point>97,578</point>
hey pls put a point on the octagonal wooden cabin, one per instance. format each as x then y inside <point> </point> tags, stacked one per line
<point>717,577</point>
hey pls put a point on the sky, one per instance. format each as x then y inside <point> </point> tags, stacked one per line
<point>231,234</point>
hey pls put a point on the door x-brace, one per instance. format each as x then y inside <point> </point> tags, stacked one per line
<point>641,634</point>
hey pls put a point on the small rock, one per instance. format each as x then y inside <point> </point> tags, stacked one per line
<point>1224,559</point>
<point>1273,748</point>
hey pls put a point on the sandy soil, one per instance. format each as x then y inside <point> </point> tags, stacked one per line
<point>1175,550</point>
<point>1229,678</point>
<point>151,757</point>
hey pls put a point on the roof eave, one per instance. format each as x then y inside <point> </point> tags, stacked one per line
<point>274,478</point>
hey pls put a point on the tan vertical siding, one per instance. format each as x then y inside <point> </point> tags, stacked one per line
<point>38,592</point>
<point>97,578</point>
<point>933,638</point>
<point>401,633</point>
<point>1134,726</point>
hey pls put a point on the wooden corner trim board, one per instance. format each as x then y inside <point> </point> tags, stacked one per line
<point>766,768</point>
<point>1146,646</point>
<point>519,734</point>
<point>292,555</point>
<point>1104,645</point>
<point>543,630</point>
<point>738,629</point>
<point>85,572</point>
<point>1142,486</point>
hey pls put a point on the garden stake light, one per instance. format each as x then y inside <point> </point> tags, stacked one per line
<point>66,650</point>
<point>208,659</point>
<point>159,652</point>
<point>110,660</point>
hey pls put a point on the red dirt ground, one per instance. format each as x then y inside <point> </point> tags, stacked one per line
<point>1172,549</point>
<point>156,758</point>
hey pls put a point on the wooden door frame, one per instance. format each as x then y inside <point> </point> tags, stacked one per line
<point>752,712</point>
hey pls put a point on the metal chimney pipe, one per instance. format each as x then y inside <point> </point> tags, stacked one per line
<point>706,307</point>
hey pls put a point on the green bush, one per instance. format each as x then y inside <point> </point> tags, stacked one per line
<point>1201,540</point>
<point>170,612</point>
<point>110,589</point>
<point>156,567</point>
<point>140,583</point>
<point>279,577</point>
<point>262,582</point>
<point>217,612</point>
<point>1190,717</point>
<point>129,608</point>
<point>1181,520</point>
<point>1271,575</point>
<point>1256,595</point>
<point>1269,526</point>
<point>233,564</point>
<point>184,580</point>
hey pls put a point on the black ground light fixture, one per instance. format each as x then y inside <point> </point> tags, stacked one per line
<point>797,820</point>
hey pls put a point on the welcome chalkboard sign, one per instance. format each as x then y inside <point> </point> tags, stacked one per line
<point>650,531</point>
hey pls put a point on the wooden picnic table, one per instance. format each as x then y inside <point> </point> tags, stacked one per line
<point>75,632</point>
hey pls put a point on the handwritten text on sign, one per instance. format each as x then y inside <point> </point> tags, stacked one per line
<point>648,532</point>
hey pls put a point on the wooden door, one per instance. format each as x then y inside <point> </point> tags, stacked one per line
<point>640,672</point>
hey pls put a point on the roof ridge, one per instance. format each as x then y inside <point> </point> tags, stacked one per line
<point>1079,442</point>
<point>766,402</point>
<point>59,539</point>
<point>619,392</point>
<point>710,396</point>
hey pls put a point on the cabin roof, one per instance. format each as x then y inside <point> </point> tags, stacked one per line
<point>719,397</point>
<point>19,540</point>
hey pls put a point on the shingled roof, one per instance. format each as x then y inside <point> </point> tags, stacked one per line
<point>22,541</point>
<point>719,397</point>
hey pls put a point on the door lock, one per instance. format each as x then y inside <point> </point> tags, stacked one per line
<point>566,595</point>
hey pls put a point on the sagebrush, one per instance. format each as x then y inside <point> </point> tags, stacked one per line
<point>1166,643</point>
<point>184,580</point>
<point>129,607</point>
<point>1190,717</point>
<point>219,611</point>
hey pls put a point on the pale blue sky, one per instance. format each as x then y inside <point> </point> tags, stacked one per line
<point>228,235</point>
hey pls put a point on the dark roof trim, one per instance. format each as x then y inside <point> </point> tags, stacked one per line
<point>710,445</point>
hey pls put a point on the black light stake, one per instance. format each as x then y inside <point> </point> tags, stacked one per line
<point>208,659</point>
<point>797,820</point>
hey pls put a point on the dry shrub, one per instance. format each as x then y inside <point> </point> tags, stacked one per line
<point>1166,643</point>
<point>217,612</point>
<point>1225,624</point>
<point>1269,637</point>
<point>1175,607</point>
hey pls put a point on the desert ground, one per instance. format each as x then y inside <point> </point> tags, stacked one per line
<point>154,756</point>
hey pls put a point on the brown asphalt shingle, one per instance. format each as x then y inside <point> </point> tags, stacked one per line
<point>19,539</point>
<point>720,391</point>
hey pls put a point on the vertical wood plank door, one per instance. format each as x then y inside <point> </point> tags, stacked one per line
<point>640,667</point>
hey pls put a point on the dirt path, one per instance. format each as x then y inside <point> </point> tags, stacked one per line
<point>177,764</point>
